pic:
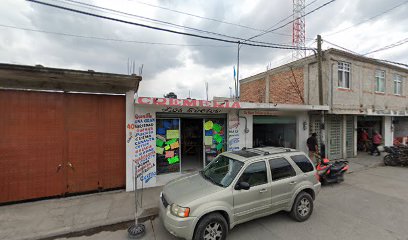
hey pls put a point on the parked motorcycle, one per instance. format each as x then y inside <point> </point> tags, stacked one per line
<point>397,156</point>
<point>331,172</point>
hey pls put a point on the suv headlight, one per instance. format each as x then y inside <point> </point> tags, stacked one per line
<point>178,211</point>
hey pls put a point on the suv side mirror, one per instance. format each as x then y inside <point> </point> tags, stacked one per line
<point>242,186</point>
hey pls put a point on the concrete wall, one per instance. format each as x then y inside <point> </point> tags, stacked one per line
<point>302,134</point>
<point>362,96</point>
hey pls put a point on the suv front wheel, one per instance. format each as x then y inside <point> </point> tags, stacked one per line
<point>302,207</point>
<point>211,227</point>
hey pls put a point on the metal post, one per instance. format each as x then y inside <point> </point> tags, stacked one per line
<point>320,82</point>
<point>237,80</point>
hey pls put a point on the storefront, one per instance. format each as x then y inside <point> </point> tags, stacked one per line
<point>276,131</point>
<point>167,138</point>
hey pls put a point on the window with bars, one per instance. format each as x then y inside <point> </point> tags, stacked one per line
<point>397,84</point>
<point>380,81</point>
<point>344,74</point>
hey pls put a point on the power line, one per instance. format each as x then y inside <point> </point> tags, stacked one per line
<point>375,59</point>
<point>348,50</point>
<point>284,25</point>
<point>103,9</point>
<point>197,16</point>
<point>267,45</point>
<point>90,6</point>
<point>369,19</point>
<point>396,44</point>
<point>287,18</point>
<point>111,39</point>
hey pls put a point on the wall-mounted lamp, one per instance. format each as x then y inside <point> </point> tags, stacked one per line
<point>304,125</point>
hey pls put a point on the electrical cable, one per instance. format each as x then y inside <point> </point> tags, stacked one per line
<point>396,44</point>
<point>288,18</point>
<point>112,39</point>
<point>267,45</point>
<point>369,19</point>
<point>284,25</point>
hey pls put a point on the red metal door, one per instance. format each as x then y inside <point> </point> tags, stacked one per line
<point>31,145</point>
<point>96,142</point>
<point>55,143</point>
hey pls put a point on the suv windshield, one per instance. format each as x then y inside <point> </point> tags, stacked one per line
<point>222,170</point>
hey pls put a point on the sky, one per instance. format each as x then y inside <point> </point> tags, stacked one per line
<point>32,34</point>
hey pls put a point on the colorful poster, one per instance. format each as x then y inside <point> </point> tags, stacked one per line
<point>171,141</point>
<point>159,142</point>
<point>169,154</point>
<point>217,128</point>
<point>208,125</point>
<point>175,145</point>
<point>173,160</point>
<point>219,146</point>
<point>208,132</point>
<point>161,131</point>
<point>217,138</point>
<point>171,134</point>
<point>159,150</point>
<point>208,140</point>
<point>161,137</point>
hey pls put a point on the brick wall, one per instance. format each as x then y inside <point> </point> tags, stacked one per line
<point>281,89</point>
<point>253,91</point>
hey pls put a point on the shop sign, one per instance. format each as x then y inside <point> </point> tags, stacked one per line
<point>186,102</point>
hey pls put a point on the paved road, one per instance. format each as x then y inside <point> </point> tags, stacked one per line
<point>370,204</point>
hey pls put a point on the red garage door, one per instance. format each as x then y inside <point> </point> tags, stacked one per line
<point>52,144</point>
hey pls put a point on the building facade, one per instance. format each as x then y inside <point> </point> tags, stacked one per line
<point>167,137</point>
<point>362,94</point>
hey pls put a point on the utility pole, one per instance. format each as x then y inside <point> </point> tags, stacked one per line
<point>237,81</point>
<point>319,67</point>
<point>320,80</point>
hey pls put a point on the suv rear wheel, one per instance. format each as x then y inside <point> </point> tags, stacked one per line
<point>302,207</point>
<point>211,227</point>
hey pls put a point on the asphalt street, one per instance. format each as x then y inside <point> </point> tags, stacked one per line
<point>370,204</point>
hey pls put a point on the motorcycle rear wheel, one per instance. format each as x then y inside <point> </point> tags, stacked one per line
<point>389,160</point>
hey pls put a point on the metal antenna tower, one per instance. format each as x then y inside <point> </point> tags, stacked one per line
<point>298,35</point>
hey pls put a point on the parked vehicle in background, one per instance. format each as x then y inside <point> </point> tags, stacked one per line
<point>237,187</point>
<point>396,156</point>
<point>331,172</point>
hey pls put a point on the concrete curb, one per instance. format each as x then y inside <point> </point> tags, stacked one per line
<point>118,223</point>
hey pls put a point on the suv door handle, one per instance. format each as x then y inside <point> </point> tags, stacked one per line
<point>263,190</point>
<point>293,182</point>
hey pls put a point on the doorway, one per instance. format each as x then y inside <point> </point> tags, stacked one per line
<point>192,147</point>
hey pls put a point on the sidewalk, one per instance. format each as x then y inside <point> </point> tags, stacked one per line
<point>364,161</point>
<point>48,218</point>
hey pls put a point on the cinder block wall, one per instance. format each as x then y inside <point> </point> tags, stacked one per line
<point>281,86</point>
<point>253,91</point>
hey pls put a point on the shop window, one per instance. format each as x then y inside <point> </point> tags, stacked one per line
<point>167,145</point>
<point>281,168</point>
<point>214,138</point>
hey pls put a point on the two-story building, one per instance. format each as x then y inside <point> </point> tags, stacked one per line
<point>362,93</point>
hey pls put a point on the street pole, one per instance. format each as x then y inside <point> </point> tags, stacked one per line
<point>237,80</point>
<point>320,80</point>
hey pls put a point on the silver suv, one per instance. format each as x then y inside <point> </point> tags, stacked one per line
<point>237,187</point>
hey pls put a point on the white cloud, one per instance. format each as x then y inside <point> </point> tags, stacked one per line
<point>184,69</point>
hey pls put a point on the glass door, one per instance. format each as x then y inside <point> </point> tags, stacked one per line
<point>168,145</point>
<point>214,135</point>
